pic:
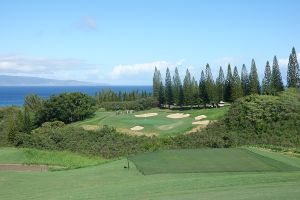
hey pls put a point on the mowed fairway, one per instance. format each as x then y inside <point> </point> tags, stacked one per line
<point>159,125</point>
<point>111,181</point>
<point>207,160</point>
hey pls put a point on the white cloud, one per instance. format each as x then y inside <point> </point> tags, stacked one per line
<point>88,23</point>
<point>20,64</point>
<point>143,68</point>
<point>225,61</point>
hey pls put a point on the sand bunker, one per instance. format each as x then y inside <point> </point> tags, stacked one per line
<point>23,168</point>
<point>204,122</point>
<point>200,117</point>
<point>178,116</point>
<point>146,115</point>
<point>137,128</point>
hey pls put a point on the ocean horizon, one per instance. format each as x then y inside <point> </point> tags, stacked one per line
<point>15,95</point>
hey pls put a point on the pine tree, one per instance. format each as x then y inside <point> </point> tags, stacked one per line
<point>202,90</point>
<point>27,121</point>
<point>187,88</point>
<point>195,92</point>
<point>176,87</point>
<point>169,89</point>
<point>161,95</point>
<point>254,86</point>
<point>181,96</point>
<point>245,80</point>
<point>220,85</point>
<point>210,85</point>
<point>228,84</point>
<point>267,80</point>
<point>156,83</point>
<point>236,86</point>
<point>293,79</point>
<point>277,84</point>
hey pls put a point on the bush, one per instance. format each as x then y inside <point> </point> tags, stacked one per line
<point>66,107</point>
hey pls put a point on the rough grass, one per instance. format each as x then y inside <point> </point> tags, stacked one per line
<point>207,160</point>
<point>54,159</point>
<point>159,124</point>
<point>111,181</point>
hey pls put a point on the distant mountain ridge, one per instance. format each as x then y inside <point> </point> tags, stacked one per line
<point>6,80</point>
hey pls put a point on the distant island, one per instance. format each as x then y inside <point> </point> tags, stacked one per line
<point>6,80</point>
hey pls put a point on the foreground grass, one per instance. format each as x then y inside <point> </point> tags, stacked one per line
<point>112,181</point>
<point>57,160</point>
<point>159,124</point>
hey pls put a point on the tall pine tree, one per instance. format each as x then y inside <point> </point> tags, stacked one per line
<point>169,88</point>
<point>220,85</point>
<point>254,86</point>
<point>156,83</point>
<point>176,87</point>
<point>161,95</point>
<point>228,84</point>
<point>293,78</point>
<point>210,85</point>
<point>277,84</point>
<point>236,86</point>
<point>187,88</point>
<point>245,80</point>
<point>202,90</point>
<point>267,80</point>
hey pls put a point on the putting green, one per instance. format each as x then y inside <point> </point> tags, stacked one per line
<point>207,160</point>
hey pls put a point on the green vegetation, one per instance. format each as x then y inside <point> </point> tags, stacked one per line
<point>206,160</point>
<point>159,124</point>
<point>112,181</point>
<point>55,159</point>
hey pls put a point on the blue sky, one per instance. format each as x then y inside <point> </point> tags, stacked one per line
<point>120,42</point>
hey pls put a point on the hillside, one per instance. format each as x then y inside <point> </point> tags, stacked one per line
<point>36,81</point>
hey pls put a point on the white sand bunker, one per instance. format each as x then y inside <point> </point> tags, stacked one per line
<point>146,115</point>
<point>137,128</point>
<point>200,117</point>
<point>204,122</point>
<point>178,116</point>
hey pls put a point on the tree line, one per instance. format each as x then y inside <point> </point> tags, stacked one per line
<point>207,90</point>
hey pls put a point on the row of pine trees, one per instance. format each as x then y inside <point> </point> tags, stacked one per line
<point>190,92</point>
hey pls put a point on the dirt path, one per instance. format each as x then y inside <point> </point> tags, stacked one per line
<point>23,168</point>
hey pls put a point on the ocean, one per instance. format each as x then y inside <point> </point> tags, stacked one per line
<point>15,95</point>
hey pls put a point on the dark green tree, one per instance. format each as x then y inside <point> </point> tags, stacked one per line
<point>277,84</point>
<point>187,88</point>
<point>254,86</point>
<point>236,86</point>
<point>267,80</point>
<point>228,84</point>
<point>210,86</point>
<point>220,85</point>
<point>156,82</point>
<point>195,91</point>
<point>293,78</point>
<point>245,80</point>
<point>169,89</point>
<point>202,90</point>
<point>161,95</point>
<point>176,87</point>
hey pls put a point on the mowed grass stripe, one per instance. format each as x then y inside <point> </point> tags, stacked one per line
<point>206,160</point>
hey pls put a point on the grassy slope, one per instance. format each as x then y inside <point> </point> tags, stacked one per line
<point>112,181</point>
<point>53,158</point>
<point>207,160</point>
<point>157,124</point>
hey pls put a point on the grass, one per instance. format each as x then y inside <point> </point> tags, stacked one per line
<point>111,181</point>
<point>56,160</point>
<point>159,124</point>
<point>207,160</point>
